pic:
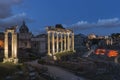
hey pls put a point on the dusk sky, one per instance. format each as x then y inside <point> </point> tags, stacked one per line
<point>101,17</point>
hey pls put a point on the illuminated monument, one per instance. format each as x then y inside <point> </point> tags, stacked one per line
<point>59,40</point>
<point>13,58</point>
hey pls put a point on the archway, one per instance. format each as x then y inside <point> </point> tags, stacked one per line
<point>13,58</point>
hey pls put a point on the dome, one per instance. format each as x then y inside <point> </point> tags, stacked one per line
<point>23,28</point>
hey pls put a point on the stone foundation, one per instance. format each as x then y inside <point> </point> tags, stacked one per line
<point>12,60</point>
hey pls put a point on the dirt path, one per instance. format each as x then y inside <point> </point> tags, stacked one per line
<point>60,73</point>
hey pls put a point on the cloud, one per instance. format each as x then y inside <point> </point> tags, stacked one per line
<point>109,23</point>
<point>6,7</point>
<point>101,23</point>
<point>7,17</point>
<point>14,20</point>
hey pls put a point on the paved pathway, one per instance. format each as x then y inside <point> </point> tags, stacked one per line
<point>60,73</point>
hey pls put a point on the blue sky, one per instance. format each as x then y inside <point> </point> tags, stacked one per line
<point>84,16</point>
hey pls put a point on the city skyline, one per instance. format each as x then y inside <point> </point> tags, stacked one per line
<point>99,17</point>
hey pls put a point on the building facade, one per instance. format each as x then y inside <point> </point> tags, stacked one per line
<point>39,44</point>
<point>24,37</point>
<point>80,42</point>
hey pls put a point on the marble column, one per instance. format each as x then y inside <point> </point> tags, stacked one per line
<point>15,45</point>
<point>64,41</point>
<point>68,41</point>
<point>61,42</point>
<point>49,43</point>
<point>53,42</point>
<point>73,41</point>
<point>6,45</point>
<point>57,42</point>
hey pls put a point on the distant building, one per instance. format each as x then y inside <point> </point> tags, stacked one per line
<point>80,41</point>
<point>24,37</point>
<point>39,44</point>
<point>109,41</point>
<point>91,36</point>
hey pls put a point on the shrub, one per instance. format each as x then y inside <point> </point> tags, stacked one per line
<point>41,61</point>
<point>62,54</point>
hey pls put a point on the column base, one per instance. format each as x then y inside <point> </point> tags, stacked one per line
<point>74,50</point>
<point>54,58</point>
<point>61,51</point>
<point>65,51</point>
<point>12,60</point>
<point>49,54</point>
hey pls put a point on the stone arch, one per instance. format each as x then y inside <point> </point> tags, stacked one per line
<point>13,57</point>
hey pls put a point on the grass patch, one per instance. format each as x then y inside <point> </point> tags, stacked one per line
<point>61,54</point>
<point>8,69</point>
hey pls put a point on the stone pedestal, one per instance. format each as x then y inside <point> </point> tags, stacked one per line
<point>11,60</point>
<point>16,60</point>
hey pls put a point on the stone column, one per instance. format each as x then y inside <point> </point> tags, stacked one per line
<point>61,43</point>
<point>12,43</point>
<point>57,42</point>
<point>53,43</point>
<point>6,45</point>
<point>73,41</point>
<point>68,41</point>
<point>49,43</point>
<point>15,45</point>
<point>64,41</point>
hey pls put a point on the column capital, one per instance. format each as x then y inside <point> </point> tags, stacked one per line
<point>52,31</point>
<point>68,33</point>
<point>48,31</point>
<point>57,32</point>
<point>61,32</point>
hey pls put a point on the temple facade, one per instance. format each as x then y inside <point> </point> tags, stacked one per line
<point>39,44</point>
<point>59,40</point>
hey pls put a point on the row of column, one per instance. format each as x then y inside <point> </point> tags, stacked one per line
<point>64,39</point>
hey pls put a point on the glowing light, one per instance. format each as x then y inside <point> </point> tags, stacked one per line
<point>1,44</point>
<point>100,51</point>
<point>109,53</point>
<point>112,53</point>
